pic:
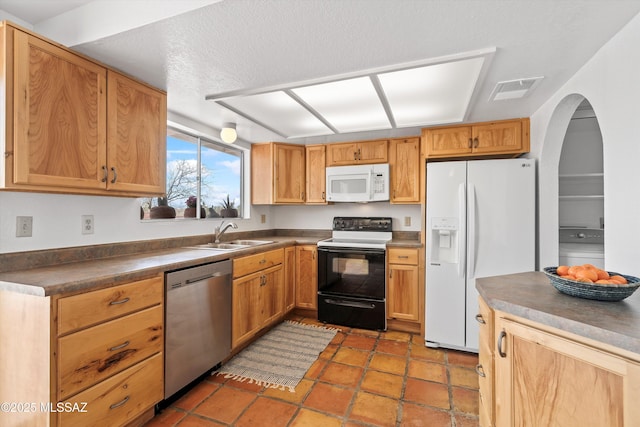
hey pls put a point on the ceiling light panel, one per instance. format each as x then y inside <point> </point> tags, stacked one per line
<point>281,113</point>
<point>349,105</point>
<point>432,94</point>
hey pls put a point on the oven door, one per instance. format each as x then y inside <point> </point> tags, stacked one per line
<point>351,272</point>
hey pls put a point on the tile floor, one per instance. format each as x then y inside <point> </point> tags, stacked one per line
<point>363,378</point>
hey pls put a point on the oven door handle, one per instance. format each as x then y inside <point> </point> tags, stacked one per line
<point>354,304</point>
<point>351,250</point>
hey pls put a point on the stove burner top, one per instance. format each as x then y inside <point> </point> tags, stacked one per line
<point>356,232</point>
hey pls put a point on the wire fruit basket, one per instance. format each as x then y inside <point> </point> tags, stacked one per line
<point>593,291</point>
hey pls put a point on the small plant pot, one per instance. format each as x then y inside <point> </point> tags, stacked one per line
<point>229,213</point>
<point>191,213</point>
<point>162,212</point>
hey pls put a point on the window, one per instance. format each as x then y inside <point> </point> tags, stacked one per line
<point>200,172</point>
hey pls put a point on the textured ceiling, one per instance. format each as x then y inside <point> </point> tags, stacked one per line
<point>238,45</point>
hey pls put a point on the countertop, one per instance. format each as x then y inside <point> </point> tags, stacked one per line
<point>102,272</point>
<point>531,296</point>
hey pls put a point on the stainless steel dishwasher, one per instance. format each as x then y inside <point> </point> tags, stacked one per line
<point>197,322</point>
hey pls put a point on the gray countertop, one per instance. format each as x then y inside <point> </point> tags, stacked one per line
<point>531,296</point>
<point>102,272</point>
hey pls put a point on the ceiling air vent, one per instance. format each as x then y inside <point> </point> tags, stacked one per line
<point>513,89</point>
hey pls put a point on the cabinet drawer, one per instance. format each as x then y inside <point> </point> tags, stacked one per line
<point>252,263</point>
<point>88,309</point>
<point>403,256</point>
<point>91,355</point>
<point>118,399</point>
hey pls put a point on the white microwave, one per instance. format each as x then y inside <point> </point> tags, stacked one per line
<point>358,183</point>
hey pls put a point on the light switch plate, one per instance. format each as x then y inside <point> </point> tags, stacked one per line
<point>24,226</point>
<point>407,221</point>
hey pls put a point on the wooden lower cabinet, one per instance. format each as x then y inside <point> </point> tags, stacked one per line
<point>485,367</point>
<point>307,277</point>
<point>547,377</point>
<point>120,398</point>
<point>89,359</point>
<point>289,278</point>
<point>258,296</point>
<point>403,296</point>
<point>115,365</point>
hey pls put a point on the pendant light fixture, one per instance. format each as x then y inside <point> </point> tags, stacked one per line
<point>228,133</point>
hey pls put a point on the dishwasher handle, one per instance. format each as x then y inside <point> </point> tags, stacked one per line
<point>201,278</point>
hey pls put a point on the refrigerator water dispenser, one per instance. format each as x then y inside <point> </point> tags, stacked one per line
<point>444,240</point>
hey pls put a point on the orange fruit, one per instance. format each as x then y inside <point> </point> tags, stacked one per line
<point>569,276</point>
<point>584,279</point>
<point>603,282</point>
<point>602,275</point>
<point>618,278</point>
<point>574,269</point>
<point>562,270</point>
<point>587,273</point>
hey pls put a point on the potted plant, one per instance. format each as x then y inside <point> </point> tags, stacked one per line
<point>228,209</point>
<point>190,211</point>
<point>163,210</point>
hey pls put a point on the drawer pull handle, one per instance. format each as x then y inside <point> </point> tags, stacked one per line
<point>122,301</point>
<point>105,174</point>
<point>122,402</point>
<point>480,371</point>
<point>118,347</point>
<point>262,261</point>
<point>115,175</point>
<point>403,256</point>
<point>502,336</point>
<point>480,319</point>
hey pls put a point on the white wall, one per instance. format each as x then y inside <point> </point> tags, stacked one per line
<point>320,217</point>
<point>610,82</point>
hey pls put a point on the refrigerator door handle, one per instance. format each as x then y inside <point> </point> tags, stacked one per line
<point>463,230</point>
<point>471,220</point>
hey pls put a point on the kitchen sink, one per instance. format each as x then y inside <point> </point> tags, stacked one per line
<point>250,242</point>
<point>232,245</point>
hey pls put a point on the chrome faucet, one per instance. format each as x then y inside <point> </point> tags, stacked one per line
<point>219,231</point>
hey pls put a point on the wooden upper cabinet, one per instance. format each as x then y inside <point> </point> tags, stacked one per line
<point>507,138</point>
<point>353,153</point>
<point>136,148</point>
<point>277,173</point>
<point>315,173</point>
<point>59,116</point>
<point>404,162</point>
<point>74,126</point>
<point>445,142</point>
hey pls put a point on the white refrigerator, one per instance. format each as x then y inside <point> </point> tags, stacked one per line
<point>480,221</point>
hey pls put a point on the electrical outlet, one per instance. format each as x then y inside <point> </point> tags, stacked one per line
<point>407,221</point>
<point>24,226</point>
<point>263,218</point>
<point>87,224</point>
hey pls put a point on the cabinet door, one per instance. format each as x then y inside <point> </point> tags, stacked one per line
<point>485,364</point>
<point>499,138</point>
<point>404,161</point>
<point>289,171</point>
<point>373,151</point>
<point>546,380</point>
<point>137,133</point>
<point>316,177</point>
<point>59,119</point>
<point>307,277</point>
<point>447,142</point>
<point>246,312</point>
<point>403,292</point>
<point>262,179</point>
<point>342,154</point>
<point>272,294</point>
<point>289,278</point>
